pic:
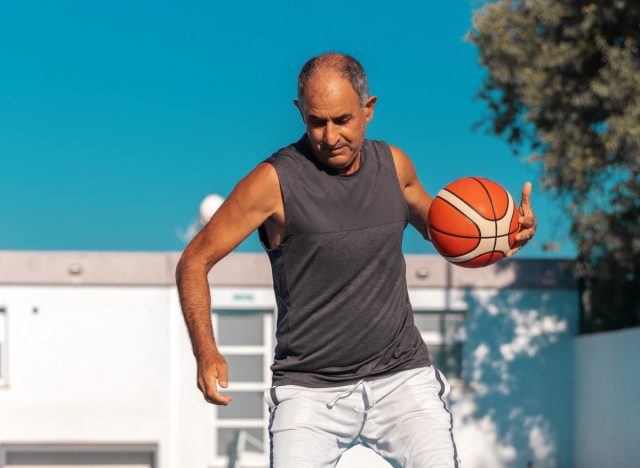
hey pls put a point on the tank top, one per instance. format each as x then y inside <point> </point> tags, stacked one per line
<point>339,273</point>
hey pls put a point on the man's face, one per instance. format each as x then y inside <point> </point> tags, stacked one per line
<point>336,121</point>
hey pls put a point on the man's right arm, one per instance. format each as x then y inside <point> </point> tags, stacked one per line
<point>255,199</point>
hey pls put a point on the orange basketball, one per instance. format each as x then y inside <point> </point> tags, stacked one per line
<point>473,222</point>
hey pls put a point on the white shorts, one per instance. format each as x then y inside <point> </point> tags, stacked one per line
<point>403,417</point>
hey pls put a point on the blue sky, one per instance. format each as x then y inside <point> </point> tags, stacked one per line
<point>117,118</point>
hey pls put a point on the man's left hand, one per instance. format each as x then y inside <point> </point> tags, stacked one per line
<point>527,221</point>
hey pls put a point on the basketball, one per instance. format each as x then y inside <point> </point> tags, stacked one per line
<point>473,222</point>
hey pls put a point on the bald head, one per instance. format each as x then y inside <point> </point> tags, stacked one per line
<point>342,64</point>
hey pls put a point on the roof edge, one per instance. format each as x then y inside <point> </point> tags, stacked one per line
<point>253,269</point>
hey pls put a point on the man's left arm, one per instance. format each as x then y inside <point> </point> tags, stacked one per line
<point>417,198</point>
<point>419,202</point>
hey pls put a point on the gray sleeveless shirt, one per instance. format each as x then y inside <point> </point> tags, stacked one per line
<point>339,273</point>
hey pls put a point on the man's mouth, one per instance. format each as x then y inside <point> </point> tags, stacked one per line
<point>334,150</point>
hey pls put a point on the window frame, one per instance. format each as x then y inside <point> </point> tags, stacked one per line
<point>245,300</point>
<point>438,338</point>
<point>9,449</point>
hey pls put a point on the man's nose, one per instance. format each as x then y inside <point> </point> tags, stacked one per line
<point>331,135</point>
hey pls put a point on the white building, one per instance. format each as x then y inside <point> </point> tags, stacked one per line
<point>96,367</point>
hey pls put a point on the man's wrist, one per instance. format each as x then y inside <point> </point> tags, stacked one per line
<point>204,350</point>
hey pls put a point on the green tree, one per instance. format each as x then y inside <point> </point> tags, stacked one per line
<point>563,82</point>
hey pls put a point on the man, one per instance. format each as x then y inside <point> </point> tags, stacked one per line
<point>350,367</point>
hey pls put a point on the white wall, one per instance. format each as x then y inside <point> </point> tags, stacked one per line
<point>114,364</point>
<point>606,409</point>
<point>516,408</point>
<point>99,365</point>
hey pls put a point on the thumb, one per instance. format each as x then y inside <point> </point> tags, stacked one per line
<point>526,192</point>
<point>223,375</point>
<point>525,200</point>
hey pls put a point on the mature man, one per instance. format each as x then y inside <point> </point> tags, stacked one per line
<point>350,367</point>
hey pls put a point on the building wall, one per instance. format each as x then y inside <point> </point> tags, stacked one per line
<point>515,407</point>
<point>102,365</point>
<point>606,413</point>
<point>103,356</point>
<point>87,364</point>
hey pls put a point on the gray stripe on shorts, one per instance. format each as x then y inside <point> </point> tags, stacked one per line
<point>274,398</point>
<point>442,388</point>
<point>272,414</point>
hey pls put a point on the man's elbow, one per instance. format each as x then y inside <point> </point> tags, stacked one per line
<point>180,268</point>
<point>185,263</point>
<point>192,262</point>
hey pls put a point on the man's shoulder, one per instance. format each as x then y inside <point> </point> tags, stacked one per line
<point>284,152</point>
<point>394,159</point>
<point>292,154</point>
<point>386,154</point>
<point>398,155</point>
<point>373,142</point>
<point>385,147</point>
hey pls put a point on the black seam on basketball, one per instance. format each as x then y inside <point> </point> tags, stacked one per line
<point>493,208</point>
<point>465,202</point>
<point>479,255</point>
<point>506,195</point>
<point>472,222</point>
<point>461,212</point>
<point>470,237</point>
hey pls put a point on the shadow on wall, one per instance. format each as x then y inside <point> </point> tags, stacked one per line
<point>515,410</point>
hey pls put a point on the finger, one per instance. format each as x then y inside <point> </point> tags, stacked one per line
<point>525,201</point>
<point>223,374</point>
<point>210,390</point>
<point>211,393</point>
<point>526,192</point>
<point>527,221</point>
<point>524,235</point>
<point>213,396</point>
<point>513,251</point>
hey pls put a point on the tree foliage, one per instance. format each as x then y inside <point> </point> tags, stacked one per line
<point>564,81</point>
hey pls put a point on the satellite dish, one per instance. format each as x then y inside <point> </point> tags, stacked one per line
<point>208,206</point>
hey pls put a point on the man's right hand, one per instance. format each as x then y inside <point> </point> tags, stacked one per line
<point>212,371</point>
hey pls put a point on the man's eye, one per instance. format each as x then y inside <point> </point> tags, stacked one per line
<point>342,121</point>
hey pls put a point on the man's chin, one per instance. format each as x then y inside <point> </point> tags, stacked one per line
<point>340,164</point>
<point>338,161</point>
<point>345,154</point>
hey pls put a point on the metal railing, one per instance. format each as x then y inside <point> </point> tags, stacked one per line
<point>239,443</point>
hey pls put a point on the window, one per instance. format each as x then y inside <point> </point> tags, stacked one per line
<point>245,339</point>
<point>81,456</point>
<point>3,346</point>
<point>443,331</point>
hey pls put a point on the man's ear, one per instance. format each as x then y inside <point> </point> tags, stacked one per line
<point>298,104</point>
<point>369,106</point>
